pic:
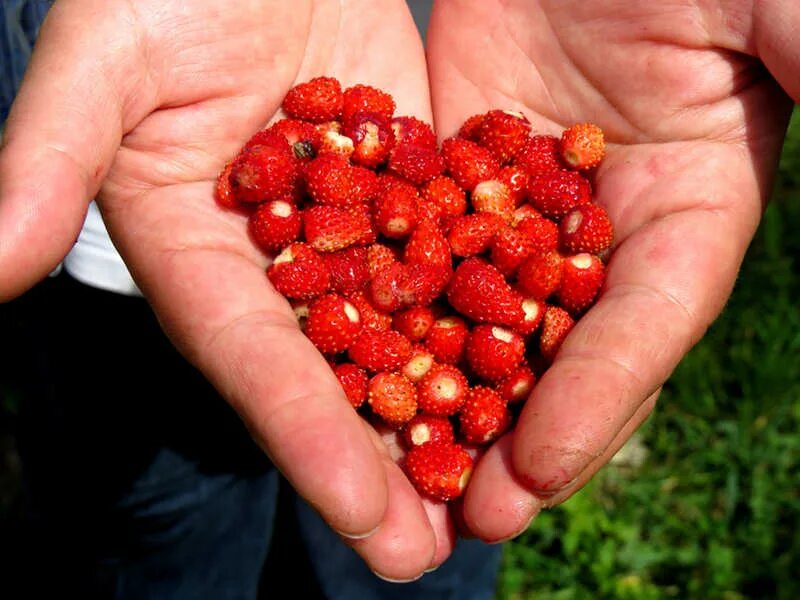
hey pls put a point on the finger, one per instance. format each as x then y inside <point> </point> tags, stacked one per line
<point>661,295</point>
<point>497,516</point>
<point>207,283</point>
<point>60,140</point>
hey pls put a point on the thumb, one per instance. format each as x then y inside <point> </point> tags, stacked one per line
<point>61,136</point>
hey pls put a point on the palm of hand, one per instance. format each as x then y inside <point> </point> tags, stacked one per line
<point>695,129</point>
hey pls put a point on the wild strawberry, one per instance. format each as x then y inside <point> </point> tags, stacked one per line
<point>264,173</point>
<point>422,283</point>
<point>582,146</point>
<point>533,311</point>
<point>471,127</point>
<point>555,193</point>
<point>363,215</point>
<point>516,179</point>
<point>317,100</point>
<point>442,391</point>
<point>332,142</point>
<point>380,350</point>
<point>427,244</point>
<point>410,130</point>
<point>300,309</point>
<point>392,397</point>
<point>414,322</point>
<point>447,339</point>
<point>510,247</point>
<point>439,471</point>
<point>223,193</point>
<point>522,212</point>
<point>503,133</point>
<point>328,228</point>
<point>348,269</point>
<point>557,323</point>
<point>380,257</point>
<point>301,136</point>
<point>581,279</point>
<point>365,98</point>
<point>494,352</point>
<point>540,275</point>
<point>479,291</point>
<point>372,137</point>
<point>372,319</point>
<point>329,180</point>
<point>418,365</point>
<point>468,163</point>
<point>517,386</point>
<point>275,224</point>
<point>445,193</point>
<point>365,186</point>
<point>383,289</point>
<point>299,272</point>
<point>424,428</point>
<point>484,416</point>
<point>587,228</point>
<point>395,211</point>
<point>472,234</point>
<point>543,233</point>
<point>540,154</point>
<point>333,323</point>
<point>354,382</point>
<point>493,196</point>
<point>417,164</point>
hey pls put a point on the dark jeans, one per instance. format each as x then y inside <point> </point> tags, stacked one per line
<point>142,483</point>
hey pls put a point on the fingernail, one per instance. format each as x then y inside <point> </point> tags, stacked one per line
<point>391,580</point>
<point>432,569</point>
<point>357,536</point>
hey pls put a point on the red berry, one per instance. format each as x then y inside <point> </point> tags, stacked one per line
<point>414,322</point>
<point>446,195</point>
<point>427,245</point>
<point>329,180</point>
<point>348,268</point>
<point>543,233</point>
<point>468,163</point>
<point>275,224</point>
<point>372,137</point>
<point>446,339</point>
<point>582,277</point>
<point>365,186</point>
<point>582,146</point>
<point>299,272</point>
<point>365,98</point>
<point>493,196</point>
<point>264,173</point>
<point>494,352</point>
<point>533,310</point>
<point>223,192</point>
<point>540,154</point>
<point>510,247</point>
<point>417,164</point>
<point>540,275</point>
<point>395,211</point>
<point>484,416</point>
<point>438,470</point>
<point>328,228</point>
<point>317,100</point>
<point>420,362</point>
<point>410,130</point>
<point>587,228</point>
<point>392,397</point>
<point>424,428</point>
<point>479,291</point>
<point>380,350</point>
<point>517,386</point>
<point>471,127</point>
<point>380,257</point>
<point>503,133</point>
<point>354,382</point>
<point>372,319</point>
<point>516,179</point>
<point>442,391</point>
<point>557,323</point>
<point>555,193</point>
<point>302,137</point>
<point>333,323</point>
<point>472,234</point>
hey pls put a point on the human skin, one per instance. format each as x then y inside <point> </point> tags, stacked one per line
<point>694,97</point>
<point>146,104</point>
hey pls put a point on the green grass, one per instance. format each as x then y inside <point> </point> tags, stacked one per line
<point>714,509</point>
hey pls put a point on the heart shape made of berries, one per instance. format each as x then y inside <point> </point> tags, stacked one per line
<point>439,280</point>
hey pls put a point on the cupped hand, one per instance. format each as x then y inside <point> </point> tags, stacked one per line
<point>142,103</point>
<point>693,99</point>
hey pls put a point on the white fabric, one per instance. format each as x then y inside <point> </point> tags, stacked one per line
<point>94,261</point>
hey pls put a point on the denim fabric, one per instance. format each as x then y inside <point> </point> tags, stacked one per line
<point>19,24</point>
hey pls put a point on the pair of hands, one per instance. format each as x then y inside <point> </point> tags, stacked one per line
<point>141,104</point>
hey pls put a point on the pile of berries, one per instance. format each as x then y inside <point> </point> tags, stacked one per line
<point>438,280</point>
